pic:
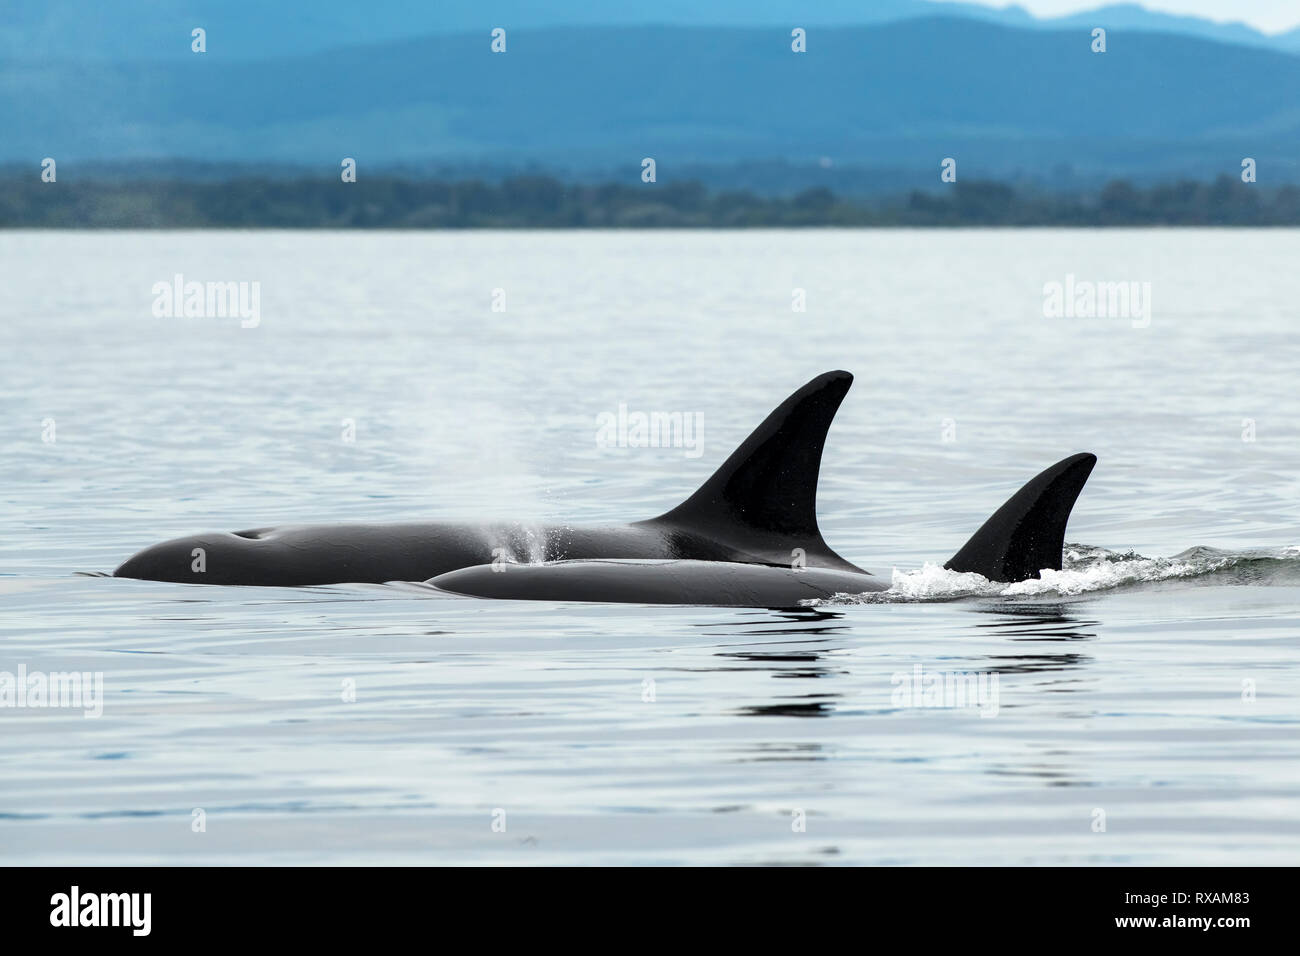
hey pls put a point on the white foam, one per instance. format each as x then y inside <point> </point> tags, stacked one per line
<point>932,582</point>
<point>1103,575</point>
<point>1086,570</point>
<point>935,582</point>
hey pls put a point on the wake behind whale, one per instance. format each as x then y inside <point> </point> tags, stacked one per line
<point>1091,570</point>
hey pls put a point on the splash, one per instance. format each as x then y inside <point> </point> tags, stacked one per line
<point>1086,569</point>
<point>1104,571</point>
<point>521,544</point>
<point>534,543</point>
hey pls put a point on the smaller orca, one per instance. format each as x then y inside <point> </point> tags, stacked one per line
<point>1023,537</point>
<point>713,583</point>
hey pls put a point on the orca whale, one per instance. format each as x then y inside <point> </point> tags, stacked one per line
<point>715,583</point>
<point>747,537</point>
<point>1023,537</point>
<point>759,507</point>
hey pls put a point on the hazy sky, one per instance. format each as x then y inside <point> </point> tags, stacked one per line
<point>1270,16</point>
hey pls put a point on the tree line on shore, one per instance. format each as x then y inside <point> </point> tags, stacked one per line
<point>536,201</point>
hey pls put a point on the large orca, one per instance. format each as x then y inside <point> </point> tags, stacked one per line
<point>759,507</point>
<point>1023,537</point>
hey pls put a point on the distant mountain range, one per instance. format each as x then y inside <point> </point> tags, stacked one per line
<point>260,29</point>
<point>895,98</point>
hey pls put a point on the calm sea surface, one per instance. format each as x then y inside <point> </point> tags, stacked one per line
<point>1147,703</point>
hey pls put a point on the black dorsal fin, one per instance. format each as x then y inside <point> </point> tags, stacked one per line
<point>765,495</point>
<point>1027,533</point>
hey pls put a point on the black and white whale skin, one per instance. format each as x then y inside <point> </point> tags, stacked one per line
<point>712,583</point>
<point>748,537</point>
<point>759,507</point>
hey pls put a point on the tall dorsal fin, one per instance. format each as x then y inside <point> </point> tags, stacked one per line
<point>767,489</point>
<point>1027,533</point>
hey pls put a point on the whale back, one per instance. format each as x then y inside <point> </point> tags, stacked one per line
<point>712,583</point>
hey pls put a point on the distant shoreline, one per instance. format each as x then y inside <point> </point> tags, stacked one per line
<point>543,202</point>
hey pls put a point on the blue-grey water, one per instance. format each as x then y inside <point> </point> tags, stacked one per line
<point>1146,697</point>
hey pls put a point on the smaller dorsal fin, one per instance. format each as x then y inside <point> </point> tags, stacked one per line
<point>1027,533</point>
<point>764,496</point>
